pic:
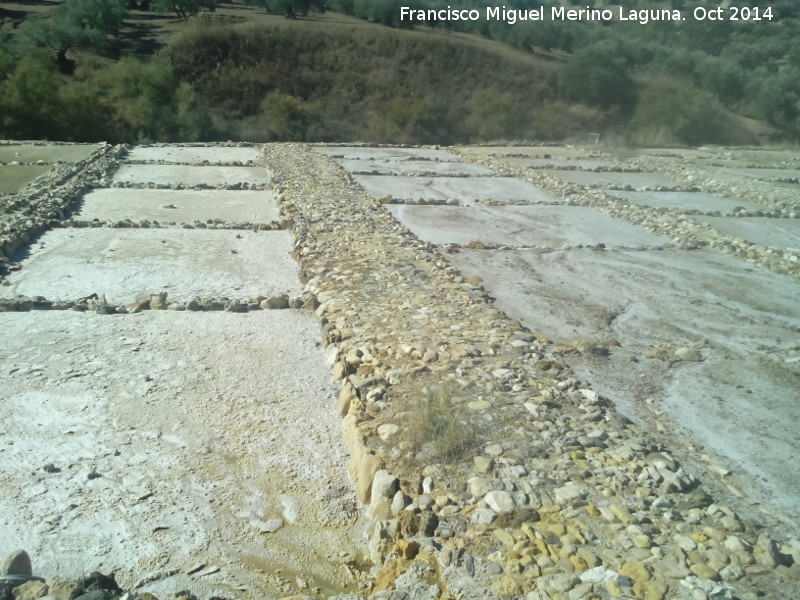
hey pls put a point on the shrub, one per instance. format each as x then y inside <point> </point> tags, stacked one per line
<point>775,97</point>
<point>82,115</point>
<point>409,121</point>
<point>76,24</point>
<point>30,100</point>
<point>140,95</point>
<point>495,116</point>
<point>674,112</point>
<point>437,428</point>
<point>598,76</point>
<point>287,118</point>
<point>184,8</point>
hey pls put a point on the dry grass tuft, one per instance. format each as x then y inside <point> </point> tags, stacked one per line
<point>438,427</point>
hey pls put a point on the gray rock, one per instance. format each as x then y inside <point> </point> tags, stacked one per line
<point>499,501</point>
<point>428,522</point>
<point>384,484</point>
<point>483,464</point>
<point>566,494</point>
<point>597,575</point>
<point>480,486</point>
<point>30,590</point>
<point>560,582</point>
<point>399,502</point>
<point>236,307</point>
<point>772,557</point>
<point>425,502</point>
<point>483,516</point>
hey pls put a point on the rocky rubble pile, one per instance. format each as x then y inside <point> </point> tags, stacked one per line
<point>97,304</point>
<point>147,224</point>
<point>17,582</point>
<point>685,232</point>
<point>152,185</point>
<point>549,494</point>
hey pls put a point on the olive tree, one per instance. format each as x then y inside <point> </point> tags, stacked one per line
<point>184,8</point>
<point>291,8</point>
<point>76,24</point>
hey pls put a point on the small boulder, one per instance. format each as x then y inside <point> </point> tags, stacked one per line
<point>276,302</point>
<point>17,563</point>
<point>688,354</point>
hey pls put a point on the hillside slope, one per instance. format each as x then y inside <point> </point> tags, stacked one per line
<point>240,73</point>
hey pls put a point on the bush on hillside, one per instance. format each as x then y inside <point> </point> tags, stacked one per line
<point>290,119</point>
<point>149,103</point>
<point>76,24</point>
<point>672,112</point>
<point>775,97</point>
<point>496,116</point>
<point>29,99</point>
<point>184,8</point>
<point>408,121</point>
<point>598,76</point>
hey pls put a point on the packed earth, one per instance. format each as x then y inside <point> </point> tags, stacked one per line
<point>296,371</point>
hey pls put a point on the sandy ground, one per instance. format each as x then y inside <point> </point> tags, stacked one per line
<point>179,206</point>
<point>125,264</point>
<point>192,175</point>
<point>466,189</point>
<point>783,233</point>
<point>411,167</point>
<point>185,438</point>
<point>196,154</point>
<point>383,154</point>
<point>551,226</point>
<point>687,201</point>
<point>614,179</point>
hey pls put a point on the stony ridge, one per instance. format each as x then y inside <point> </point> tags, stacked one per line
<point>563,498</point>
